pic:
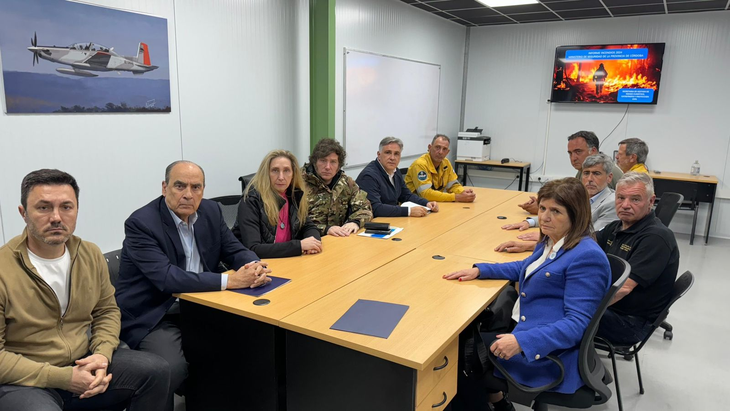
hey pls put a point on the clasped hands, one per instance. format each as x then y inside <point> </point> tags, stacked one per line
<point>89,376</point>
<point>251,275</point>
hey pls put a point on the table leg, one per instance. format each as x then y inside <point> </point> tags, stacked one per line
<point>694,222</point>
<point>709,219</point>
<point>522,172</point>
<point>527,180</point>
<point>463,182</point>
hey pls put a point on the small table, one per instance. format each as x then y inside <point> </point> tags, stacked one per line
<point>523,168</point>
<point>695,189</point>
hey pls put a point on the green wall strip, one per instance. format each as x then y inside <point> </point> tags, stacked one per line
<point>321,70</point>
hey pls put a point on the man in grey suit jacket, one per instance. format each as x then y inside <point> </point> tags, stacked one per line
<point>596,175</point>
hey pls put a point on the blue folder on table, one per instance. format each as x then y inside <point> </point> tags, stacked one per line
<point>374,318</point>
<point>275,283</point>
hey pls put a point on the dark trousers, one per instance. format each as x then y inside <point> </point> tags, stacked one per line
<point>473,392</point>
<point>165,340</point>
<point>622,329</point>
<point>139,382</point>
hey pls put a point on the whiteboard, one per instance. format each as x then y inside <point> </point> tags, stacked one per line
<point>388,96</point>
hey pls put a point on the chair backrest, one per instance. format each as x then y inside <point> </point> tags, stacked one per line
<point>229,207</point>
<point>681,286</point>
<point>667,207</point>
<point>112,261</point>
<point>403,171</point>
<point>245,180</point>
<point>589,364</point>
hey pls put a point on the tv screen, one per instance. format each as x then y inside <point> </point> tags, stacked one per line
<point>608,74</point>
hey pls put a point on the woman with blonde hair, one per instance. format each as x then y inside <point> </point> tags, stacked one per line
<point>272,216</point>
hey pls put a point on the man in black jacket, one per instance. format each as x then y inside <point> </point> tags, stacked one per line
<point>385,185</point>
<point>174,245</point>
<point>641,239</point>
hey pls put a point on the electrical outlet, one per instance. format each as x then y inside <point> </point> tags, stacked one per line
<point>539,179</point>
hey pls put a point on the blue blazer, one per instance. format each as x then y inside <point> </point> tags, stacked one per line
<point>557,302</point>
<point>385,197</point>
<point>152,265</point>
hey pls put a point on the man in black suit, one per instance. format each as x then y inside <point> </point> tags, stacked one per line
<point>174,244</point>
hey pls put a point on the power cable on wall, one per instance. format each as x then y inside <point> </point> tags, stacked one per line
<point>614,129</point>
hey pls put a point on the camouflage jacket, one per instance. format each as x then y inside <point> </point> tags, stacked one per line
<point>342,204</point>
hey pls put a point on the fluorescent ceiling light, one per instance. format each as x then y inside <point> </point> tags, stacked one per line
<point>503,3</point>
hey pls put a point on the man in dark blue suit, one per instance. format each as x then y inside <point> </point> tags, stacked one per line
<point>174,244</point>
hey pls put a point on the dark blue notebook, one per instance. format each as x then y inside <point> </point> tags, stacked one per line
<point>374,318</point>
<point>275,283</point>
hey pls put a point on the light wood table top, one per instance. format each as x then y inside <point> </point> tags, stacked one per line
<point>344,260</point>
<point>477,238</point>
<point>494,163</point>
<point>438,309</point>
<point>419,230</point>
<point>669,175</point>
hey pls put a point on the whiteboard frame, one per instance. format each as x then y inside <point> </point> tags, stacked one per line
<point>344,97</point>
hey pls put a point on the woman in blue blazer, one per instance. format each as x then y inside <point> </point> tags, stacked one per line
<point>561,286</point>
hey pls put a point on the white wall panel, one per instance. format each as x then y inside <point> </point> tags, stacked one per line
<point>509,84</point>
<point>396,29</point>
<point>238,64</point>
<point>241,68</point>
<point>118,159</point>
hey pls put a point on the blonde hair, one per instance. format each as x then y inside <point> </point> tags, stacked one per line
<point>262,183</point>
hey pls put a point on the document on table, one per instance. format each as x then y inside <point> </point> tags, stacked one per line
<point>411,204</point>
<point>393,231</point>
<point>374,318</point>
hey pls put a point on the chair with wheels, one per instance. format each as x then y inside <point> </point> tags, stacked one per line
<point>629,352</point>
<point>592,372</point>
<point>245,180</point>
<point>665,210</point>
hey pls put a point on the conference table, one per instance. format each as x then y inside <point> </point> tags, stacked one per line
<point>252,353</point>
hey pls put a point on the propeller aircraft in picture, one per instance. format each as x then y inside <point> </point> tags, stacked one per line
<point>87,57</point>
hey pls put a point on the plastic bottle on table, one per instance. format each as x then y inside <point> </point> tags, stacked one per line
<point>695,170</point>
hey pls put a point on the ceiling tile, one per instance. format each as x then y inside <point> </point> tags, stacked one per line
<point>527,17</point>
<point>575,5</point>
<point>423,7</point>
<point>474,13</point>
<point>525,8</point>
<point>611,3</point>
<point>634,10</point>
<point>584,14</point>
<point>697,6</point>
<point>457,4</point>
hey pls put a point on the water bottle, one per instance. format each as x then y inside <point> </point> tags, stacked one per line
<point>695,168</point>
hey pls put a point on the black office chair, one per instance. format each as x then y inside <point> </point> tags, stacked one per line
<point>665,210</point>
<point>629,352</point>
<point>591,369</point>
<point>229,207</point>
<point>667,207</point>
<point>112,261</point>
<point>403,171</point>
<point>245,180</point>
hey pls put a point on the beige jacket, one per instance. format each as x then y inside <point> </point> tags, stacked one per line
<point>38,346</point>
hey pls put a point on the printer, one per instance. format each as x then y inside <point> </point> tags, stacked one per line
<point>473,146</point>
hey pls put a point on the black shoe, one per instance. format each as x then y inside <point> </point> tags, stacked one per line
<point>503,405</point>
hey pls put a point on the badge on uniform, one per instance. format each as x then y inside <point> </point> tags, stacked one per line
<point>422,176</point>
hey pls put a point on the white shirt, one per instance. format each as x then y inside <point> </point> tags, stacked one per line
<point>55,272</point>
<point>550,251</point>
<point>186,231</point>
<point>391,177</point>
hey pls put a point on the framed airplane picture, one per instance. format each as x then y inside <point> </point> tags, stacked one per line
<point>65,57</point>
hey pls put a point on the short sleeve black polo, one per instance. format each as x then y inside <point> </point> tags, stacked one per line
<point>652,251</point>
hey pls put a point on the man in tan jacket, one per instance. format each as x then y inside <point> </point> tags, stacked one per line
<point>59,322</point>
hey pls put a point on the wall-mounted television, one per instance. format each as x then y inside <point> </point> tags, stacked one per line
<point>608,74</point>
